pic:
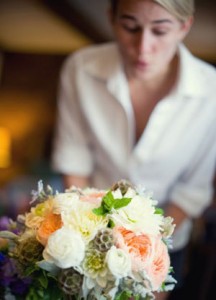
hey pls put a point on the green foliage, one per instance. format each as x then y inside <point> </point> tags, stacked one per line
<point>49,267</point>
<point>44,287</point>
<point>163,286</point>
<point>125,295</point>
<point>109,202</point>
<point>29,270</point>
<point>159,211</point>
<point>111,224</point>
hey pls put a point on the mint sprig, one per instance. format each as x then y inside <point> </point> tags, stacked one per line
<point>159,211</point>
<point>109,202</point>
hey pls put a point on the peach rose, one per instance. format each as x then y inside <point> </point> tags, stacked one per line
<point>159,264</point>
<point>147,253</point>
<point>94,197</point>
<point>139,247</point>
<point>50,224</point>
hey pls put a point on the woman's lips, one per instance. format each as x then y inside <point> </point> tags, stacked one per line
<point>142,65</point>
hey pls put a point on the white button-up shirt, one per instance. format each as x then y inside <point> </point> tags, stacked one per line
<point>176,154</point>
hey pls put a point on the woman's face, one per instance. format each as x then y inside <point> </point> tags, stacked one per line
<point>147,36</point>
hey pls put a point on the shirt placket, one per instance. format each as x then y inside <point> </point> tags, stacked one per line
<point>118,87</point>
<point>152,138</point>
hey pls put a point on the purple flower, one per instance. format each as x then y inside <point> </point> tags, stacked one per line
<point>10,278</point>
<point>20,286</point>
<point>4,223</point>
<point>8,224</point>
<point>2,258</point>
<point>8,270</point>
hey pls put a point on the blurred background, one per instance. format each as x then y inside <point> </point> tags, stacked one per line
<point>35,38</point>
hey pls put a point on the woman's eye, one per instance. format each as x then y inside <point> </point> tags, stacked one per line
<point>160,32</point>
<point>131,28</point>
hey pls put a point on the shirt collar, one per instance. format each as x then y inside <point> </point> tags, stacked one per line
<point>110,70</point>
<point>190,81</point>
<point>106,63</point>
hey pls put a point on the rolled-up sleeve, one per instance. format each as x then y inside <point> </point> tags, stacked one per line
<point>194,191</point>
<point>71,151</point>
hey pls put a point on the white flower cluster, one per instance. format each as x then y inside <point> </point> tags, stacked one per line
<point>113,239</point>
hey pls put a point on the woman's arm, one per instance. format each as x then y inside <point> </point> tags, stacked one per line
<point>79,181</point>
<point>176,213</point>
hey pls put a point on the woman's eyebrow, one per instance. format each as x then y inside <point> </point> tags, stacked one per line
<point>159,21</point>
<point>162,21</point>
<point>127,17</point>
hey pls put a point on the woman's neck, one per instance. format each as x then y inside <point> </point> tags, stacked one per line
<point>162,84</point>
<point>146,94</point>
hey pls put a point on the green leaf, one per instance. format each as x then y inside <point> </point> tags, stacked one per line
<point>111,224</point>
<point>159,211</point>
<point>125,295</point>
<point>43,280</point>
<point>108,201</point>
<point>47,266</point>
<point>119,203</point>
<point>106,205</point>
<point>30,269</point>
<point>41,293</point>
<point>100,211</point>
<point>34,294</point>
<point>55,292</point>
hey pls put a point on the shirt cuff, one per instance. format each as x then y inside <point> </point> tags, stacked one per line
<point>192,200</point>
<point>74,161</point>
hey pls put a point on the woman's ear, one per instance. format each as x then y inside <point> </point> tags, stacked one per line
<point>186,26</point>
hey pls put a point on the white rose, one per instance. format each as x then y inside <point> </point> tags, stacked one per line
<point>65,248</point>
<point>118,262</point>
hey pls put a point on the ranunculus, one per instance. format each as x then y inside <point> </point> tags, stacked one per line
<point>48,226</point>
<point>159,264</point>
<point>139,247</point>
<point>118,262</point>
<point>65,248</point>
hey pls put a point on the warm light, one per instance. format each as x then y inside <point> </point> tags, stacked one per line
<point>5,147</point>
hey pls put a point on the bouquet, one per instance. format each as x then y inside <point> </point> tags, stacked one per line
<point>87,244</point>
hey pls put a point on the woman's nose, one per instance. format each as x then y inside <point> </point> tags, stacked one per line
<point>144,42</point>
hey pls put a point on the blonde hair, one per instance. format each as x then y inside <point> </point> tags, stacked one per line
<point>181,9</point>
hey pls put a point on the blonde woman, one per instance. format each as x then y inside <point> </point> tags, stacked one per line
<point>142,108</point>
